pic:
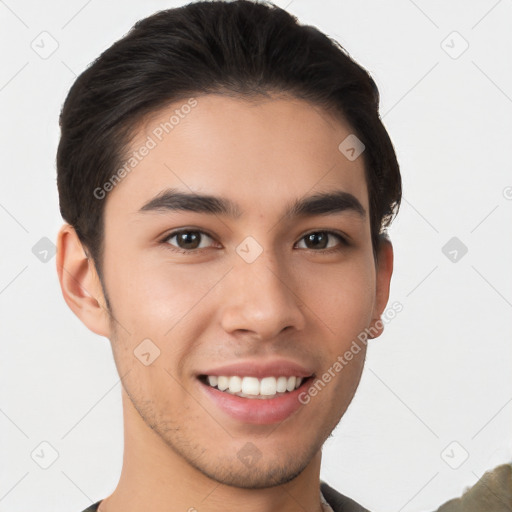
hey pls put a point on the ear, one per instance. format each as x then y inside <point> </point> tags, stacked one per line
<point>79,282</point>
<point>384,270</point>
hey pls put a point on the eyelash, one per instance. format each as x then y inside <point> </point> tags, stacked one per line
<point>343,241</point>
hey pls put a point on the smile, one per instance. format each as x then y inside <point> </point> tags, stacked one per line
<point>251,404</point>
<point>252,387</point>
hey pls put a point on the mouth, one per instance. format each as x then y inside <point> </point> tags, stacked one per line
<point>253,387</point>
<point>251,400</point>
<point>258,391</point>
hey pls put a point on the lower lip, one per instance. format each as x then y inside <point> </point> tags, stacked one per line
<point>260,411</point>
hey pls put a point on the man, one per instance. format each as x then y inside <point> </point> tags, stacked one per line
<point>226,184</point>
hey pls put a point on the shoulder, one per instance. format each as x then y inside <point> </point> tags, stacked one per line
<point>492,493</point>
<point>338,502</point>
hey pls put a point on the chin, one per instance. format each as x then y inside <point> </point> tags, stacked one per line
<point>251,478</point>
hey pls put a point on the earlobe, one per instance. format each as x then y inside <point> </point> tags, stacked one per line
<point>384,271</point>
<point>79,282</point>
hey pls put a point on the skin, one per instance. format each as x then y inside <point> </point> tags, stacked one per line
<point>212,308</point>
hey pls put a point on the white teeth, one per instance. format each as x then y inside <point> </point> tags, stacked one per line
<point>254,387</point>
<point>235,385</point>
<point>222,383</point>
<point>250,385</point>
<point>290,386</point>
<point>268,386</point>
<point>281,384</point>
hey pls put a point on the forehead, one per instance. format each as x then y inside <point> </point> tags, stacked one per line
<point>258,152</point>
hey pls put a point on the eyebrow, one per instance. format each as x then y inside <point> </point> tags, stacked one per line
<point>325,203</point>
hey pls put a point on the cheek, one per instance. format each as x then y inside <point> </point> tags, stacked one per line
<point>150,295</point>
<point>341,295</point>
<point>161,302</point>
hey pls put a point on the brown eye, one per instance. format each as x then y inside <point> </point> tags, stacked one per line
<point>320,240</point>
<point>187,240</point>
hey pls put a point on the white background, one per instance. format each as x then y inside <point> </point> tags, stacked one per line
<point>440,373</point>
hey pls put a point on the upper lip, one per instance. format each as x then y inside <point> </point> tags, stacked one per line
<point>274,368</point>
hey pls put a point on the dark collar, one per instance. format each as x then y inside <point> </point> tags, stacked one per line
<point>338,502</point>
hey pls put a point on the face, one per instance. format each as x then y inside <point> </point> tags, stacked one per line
<point>245,281</point>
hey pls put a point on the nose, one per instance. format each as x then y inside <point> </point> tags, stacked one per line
<point>261,298</point>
